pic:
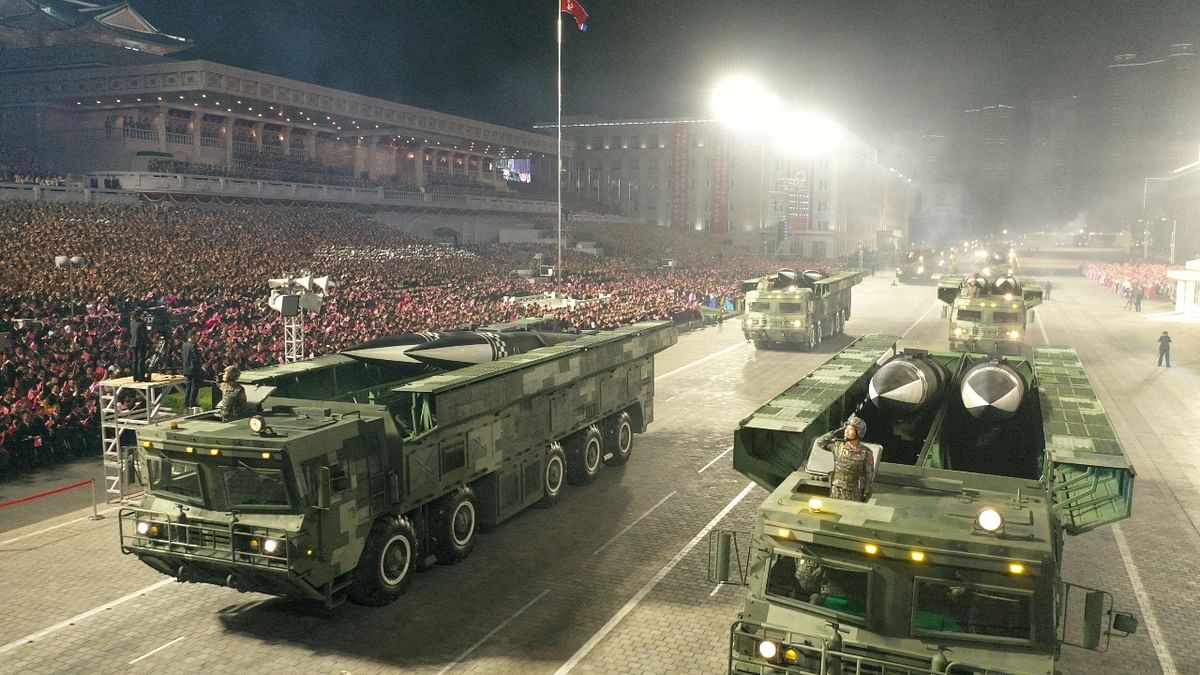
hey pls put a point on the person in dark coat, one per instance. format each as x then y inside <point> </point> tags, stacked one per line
<point>139,342</point>
<point>1164,349</point>
<point>193,369</point>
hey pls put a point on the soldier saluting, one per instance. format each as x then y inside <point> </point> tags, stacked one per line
<point>853,462</point>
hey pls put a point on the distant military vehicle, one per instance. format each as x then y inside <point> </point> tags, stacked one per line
<point>954,563</point>
<point>796,308</point>
<point>988,310</point>
<point>349,480</point>
<point>918,265</point>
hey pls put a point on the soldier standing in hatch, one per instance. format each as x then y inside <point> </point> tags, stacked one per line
<point>233,404</point>
<point>853,464</point>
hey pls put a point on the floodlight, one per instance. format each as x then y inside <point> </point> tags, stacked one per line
<point>742,103</point>
<point>805,133</point>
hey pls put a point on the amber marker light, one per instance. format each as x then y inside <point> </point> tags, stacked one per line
<point>266,455</point>
<point>815,504</point>
<point>870,549</point>
<point>1016,568</point>
<point>214,452</point>
<point>917,556</point>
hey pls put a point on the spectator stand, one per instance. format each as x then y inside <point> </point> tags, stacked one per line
<point>126,405</point>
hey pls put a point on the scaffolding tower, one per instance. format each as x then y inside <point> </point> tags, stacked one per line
<point>293,338</point>
<point>126,405</point>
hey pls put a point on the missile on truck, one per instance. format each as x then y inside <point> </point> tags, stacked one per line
<point>796,308</point>
<point>347,480</point>
<point>988,310</point>
<point>953,565</point>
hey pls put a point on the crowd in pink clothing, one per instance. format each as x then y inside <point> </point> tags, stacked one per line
<point>1127,279</point>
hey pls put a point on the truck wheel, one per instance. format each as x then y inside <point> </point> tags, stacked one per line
<point>387,563</point>
<point>584,452</point>
<point>812,338</point>
<point>620,439</point>
<point>761,344</point>
<point>455,523</point>
<point>553,472</point>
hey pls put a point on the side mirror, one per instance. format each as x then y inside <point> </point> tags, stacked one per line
<point>1124,623</point>
<point>1093,619</point>
<point>722,549</point>
<point>324,488</point>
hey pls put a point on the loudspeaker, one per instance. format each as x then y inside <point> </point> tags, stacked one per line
<point>287,304</point>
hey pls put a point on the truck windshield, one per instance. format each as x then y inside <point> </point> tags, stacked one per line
<point>760,307</point>
<point>969,315</point>
<point>810,581</point>
<point>966,609</point>
<point>250,487</point>
<point>175,479</point>
<point>791,307</point>
<point>1005,317</point>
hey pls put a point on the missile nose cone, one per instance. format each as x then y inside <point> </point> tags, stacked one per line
<point>390,350</point>
<point>992,391</point>
<point>905,385</point>
<point>467,348</point>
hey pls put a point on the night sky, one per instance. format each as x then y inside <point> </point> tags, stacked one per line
<point>878,66</point>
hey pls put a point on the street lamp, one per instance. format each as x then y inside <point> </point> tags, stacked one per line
<point>70,263</point>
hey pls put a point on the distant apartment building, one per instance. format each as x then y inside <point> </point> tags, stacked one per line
<point>692,174</point>
<point>987,150</point>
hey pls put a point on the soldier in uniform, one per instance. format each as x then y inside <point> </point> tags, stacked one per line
<point>233,404</point>
<point>853,464</point>
<point>810,580</point>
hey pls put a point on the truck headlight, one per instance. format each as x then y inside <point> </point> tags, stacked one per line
<point>1014,334</point>
<point>271,546</point>
<point>921,269</point>
<point>149,529</point>
<point>768,649</point>
<point>958,332</point>
<point>797,323</point>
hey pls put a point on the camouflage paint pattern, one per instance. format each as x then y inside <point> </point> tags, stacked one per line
<point>788,316</point>
<point>919,529</point>
<point>392,447</point>
<point>993,324</point>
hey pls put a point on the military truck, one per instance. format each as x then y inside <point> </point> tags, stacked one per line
<point>917,265</point>
<point>791,308</point>
<point>348,480</point>
<point>953,565</point>
<point>988,310</point>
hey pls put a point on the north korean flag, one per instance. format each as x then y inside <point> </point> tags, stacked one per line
<point>577,11</point>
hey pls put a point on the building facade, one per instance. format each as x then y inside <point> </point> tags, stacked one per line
<point>693,174</point>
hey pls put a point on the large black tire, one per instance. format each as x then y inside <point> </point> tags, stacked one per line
<point>585,452</point>
<point>388,561</point>
<point>812,338</point>
<point>554,473</point>
<point>762,345</point>
<point>454,526</point>
<point>620,439</point>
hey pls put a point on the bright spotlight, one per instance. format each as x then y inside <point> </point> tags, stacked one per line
<point>742,103</point>
<point>804,133</point>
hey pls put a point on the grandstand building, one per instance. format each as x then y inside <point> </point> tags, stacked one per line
<point>98,89</point>
<point>691,174</point>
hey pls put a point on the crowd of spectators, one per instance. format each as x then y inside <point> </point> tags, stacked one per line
<point>60,335</point>
<point>22,166</point>
<point>1128,280</point>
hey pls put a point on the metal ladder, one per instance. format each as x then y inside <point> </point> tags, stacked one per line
<point>125,406</point>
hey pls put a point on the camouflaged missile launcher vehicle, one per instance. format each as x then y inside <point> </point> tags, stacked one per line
<point>953,564</point>
<point>988,314</point>
<point>348,481</point>
<point>791,308</point>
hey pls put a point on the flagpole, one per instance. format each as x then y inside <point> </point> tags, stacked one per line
<point>558,128</point>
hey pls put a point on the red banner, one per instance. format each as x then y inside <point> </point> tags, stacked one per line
<point>719,195</point>
<point>679,177</point>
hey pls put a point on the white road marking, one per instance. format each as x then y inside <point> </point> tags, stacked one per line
<point>55,527</point>
<point>152,652</point>
<point>714,461</point>
<point>1143,599</point>
<point>1042,326</point>
<point>714,591</point>
<point>645,590</point>
<point>922,318</point>
<point>495,630</point>
<point>34,637</point>
<point>1165,662</point>
<point>699,361</point>
<point>630,526</point>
